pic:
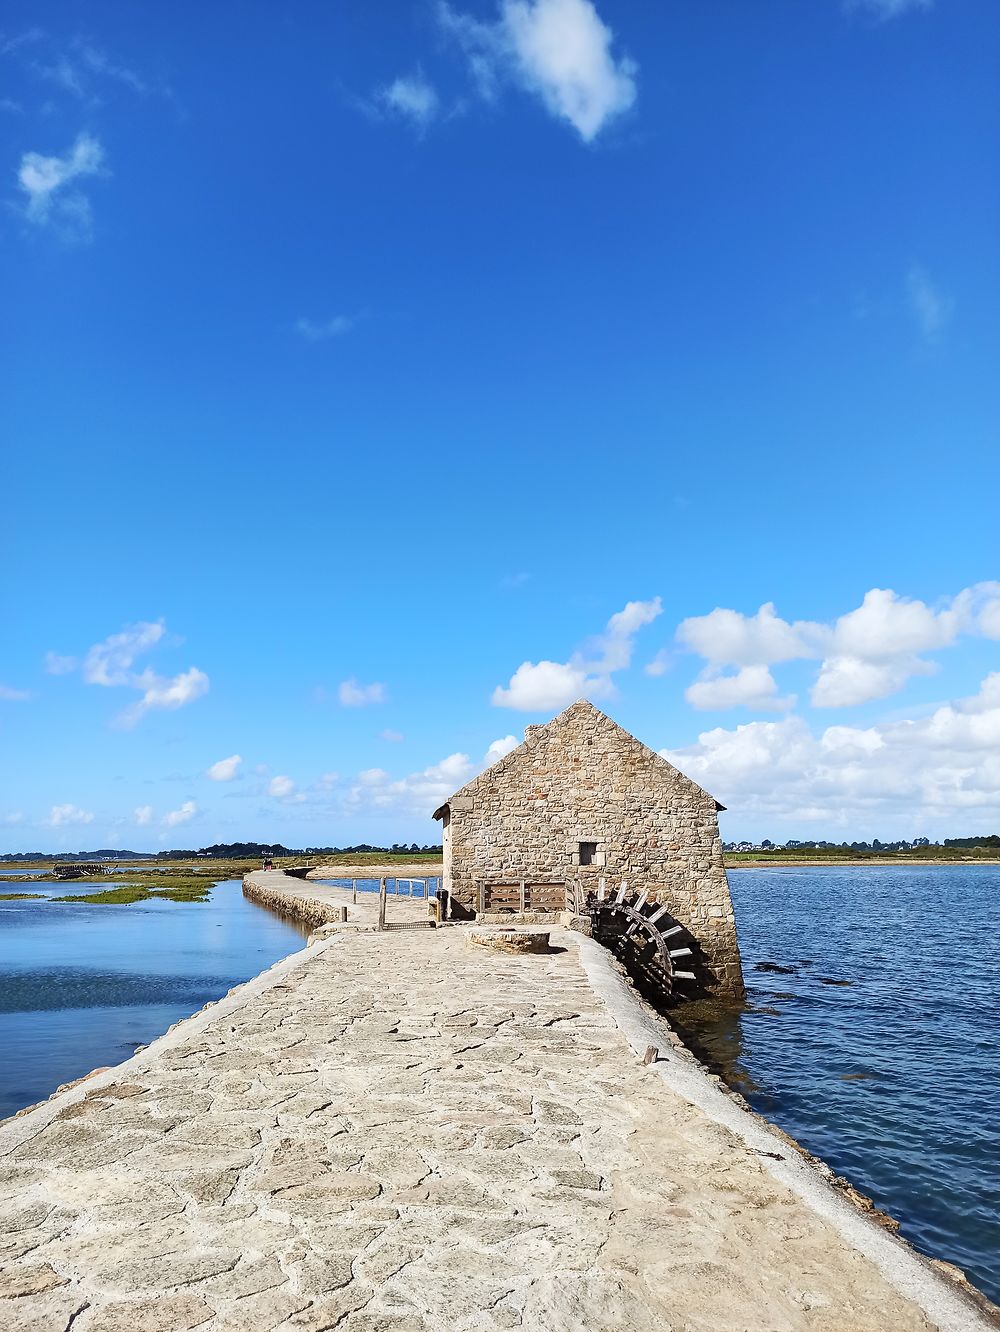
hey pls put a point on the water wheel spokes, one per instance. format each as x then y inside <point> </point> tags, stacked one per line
<point>642,933</point>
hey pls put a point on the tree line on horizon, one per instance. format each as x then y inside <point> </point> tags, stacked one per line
<point>224,851</point>
<point>985,842</point>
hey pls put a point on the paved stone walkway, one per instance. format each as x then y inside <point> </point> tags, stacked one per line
<point>406,1133</point>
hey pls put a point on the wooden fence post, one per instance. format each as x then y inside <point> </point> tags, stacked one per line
<point>382,889</point>
<point>354,885</point>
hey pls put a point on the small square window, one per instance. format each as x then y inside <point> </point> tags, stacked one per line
<point>588,850</point>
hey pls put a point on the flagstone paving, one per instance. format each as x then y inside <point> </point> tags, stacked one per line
<point>407,1133</point>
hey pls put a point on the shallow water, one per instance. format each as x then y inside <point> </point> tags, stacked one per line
<point>82,985</point>
<point>394,887</point>
<point>894,1077</point>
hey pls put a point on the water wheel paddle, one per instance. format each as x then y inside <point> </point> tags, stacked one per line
<point>646,938</point>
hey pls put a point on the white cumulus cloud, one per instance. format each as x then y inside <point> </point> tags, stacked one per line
<point>176,817</point>
<point>281,787</point>
<point>846,681</point>
<point>559,50</point>
<point>225,770</point>
<point>725,637</point>
<point>352,694</point>
<point>500,748</point>
<point>868,653</point>
<point>60,815</point>
<point>750,687</point>
<point>420,792</point>
<point>143,815</point>
<point>543,686</point>
<point>922,777</point>
<point>547,686</point>
<point>875,648</point>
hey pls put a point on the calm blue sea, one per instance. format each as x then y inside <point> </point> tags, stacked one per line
<point>891,1074</point>
<point>81,986</point>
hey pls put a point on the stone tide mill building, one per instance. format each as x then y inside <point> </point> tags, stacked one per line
<point>583,816</point>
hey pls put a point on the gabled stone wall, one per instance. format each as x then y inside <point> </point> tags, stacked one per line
<point>582,779</point>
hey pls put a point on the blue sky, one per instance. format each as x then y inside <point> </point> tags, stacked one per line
<point>376,380</point>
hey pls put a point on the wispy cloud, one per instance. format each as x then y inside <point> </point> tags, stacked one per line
<point>10,695</point>
<point>394,737</point>
<point>411,98</point>
<point>931,307</point>
<point>56,664</point>
<point>419,792</point>
<point>111,664</point>
<point>143,815</point>
<point>99,63</point>
<point>510,582</point>
<point>47,184</point>
<point>888,9</point>
<point>660,664</point>
<point>559,50</point>
<point>163,693</point>
<point>65,75</point>
<point>11,42</point>
<point>312,330</point>
<point>85,72</point>
<point>352,694</point>
<point>225,770</point>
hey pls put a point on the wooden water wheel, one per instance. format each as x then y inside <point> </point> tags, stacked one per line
<point>647,939</point>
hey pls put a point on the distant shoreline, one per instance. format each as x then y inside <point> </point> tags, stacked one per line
<point>830,862</point>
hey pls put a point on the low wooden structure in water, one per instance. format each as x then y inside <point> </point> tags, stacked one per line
<point>81,870</point>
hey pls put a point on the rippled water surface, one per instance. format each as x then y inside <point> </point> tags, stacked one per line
<point>879,1047</point>
<point>82,985</point>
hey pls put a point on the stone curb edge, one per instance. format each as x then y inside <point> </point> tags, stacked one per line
<point>906,1270</point>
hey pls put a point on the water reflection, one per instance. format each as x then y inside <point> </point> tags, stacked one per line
<point>81,985</point>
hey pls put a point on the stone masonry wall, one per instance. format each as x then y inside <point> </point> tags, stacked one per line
<point>581,778</point>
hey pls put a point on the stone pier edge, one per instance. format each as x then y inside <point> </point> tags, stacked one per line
<point>951,1306</point>
<point>304,910</point>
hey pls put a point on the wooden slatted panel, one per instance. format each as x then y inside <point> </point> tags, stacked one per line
<point>503,897</point>
<point>545,897</point>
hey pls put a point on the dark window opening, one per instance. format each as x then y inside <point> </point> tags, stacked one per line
<point>588,850</point>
